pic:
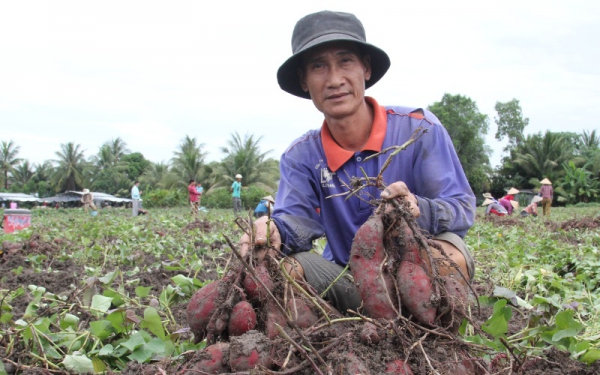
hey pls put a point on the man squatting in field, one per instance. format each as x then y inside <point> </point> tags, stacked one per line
<point>332,64</point>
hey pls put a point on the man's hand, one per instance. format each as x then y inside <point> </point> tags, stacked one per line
<point>260,239</point>
<point>399,190</point>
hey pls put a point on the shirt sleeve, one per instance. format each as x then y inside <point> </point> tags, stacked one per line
<point>445,198</point>
<point>296,216</point>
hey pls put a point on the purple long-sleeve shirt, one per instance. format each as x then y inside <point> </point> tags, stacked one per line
<point>314,168</point>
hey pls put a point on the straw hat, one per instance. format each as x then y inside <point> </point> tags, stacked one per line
<point>513,191</point>
<point>515,204</point>
<point>85,191</point>
<point>487,201</point>
<point>488,195</point>
<point>545,181</point>
<point>536,199</point>
<point>269,198</point>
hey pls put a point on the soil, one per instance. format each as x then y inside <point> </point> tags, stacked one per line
<point>339,345</point>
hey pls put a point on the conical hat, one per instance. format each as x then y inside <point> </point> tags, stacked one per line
<point>515,204</point>
<point>545,181</point>
<point>513,191</point>
<point>269,198</point>
<point>536,199</point>
<point>487,201</point>
<point>487,195</point>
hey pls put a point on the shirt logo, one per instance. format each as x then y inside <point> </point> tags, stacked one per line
<point>326,177</point>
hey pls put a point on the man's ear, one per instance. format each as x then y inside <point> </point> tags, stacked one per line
<point>366,59</point>
<point>302,80</point>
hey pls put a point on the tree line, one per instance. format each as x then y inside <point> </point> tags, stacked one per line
<point>570,160</point>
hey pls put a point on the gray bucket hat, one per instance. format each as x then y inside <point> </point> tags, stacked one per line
<point>323,27</point>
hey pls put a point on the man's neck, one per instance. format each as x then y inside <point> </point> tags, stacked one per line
<point>352,133</point>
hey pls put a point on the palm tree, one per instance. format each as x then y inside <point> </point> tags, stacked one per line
<point>8,159</point>
<point>118,149</point>
<point>70,165</point>
<point>244,156</point>
<point>23,173</point>
<point>155,176</point>
<point>544,155</point>
<point>188,162</point>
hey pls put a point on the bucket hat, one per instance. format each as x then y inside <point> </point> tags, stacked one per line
<point>322,27</point>
<point>545,181</point>
<point>513,191</point>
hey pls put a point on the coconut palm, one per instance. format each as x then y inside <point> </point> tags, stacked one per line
<point>156,176</point>
<point>118,149</point>
<point>244,156</point>
<point>188,161</point>
<point>70,165</point>
<point>23,173</point>
<point>8,159</point>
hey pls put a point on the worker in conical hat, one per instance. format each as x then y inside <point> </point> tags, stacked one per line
<point>547,194</point>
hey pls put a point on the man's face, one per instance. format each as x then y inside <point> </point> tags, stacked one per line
<point>335,75</point>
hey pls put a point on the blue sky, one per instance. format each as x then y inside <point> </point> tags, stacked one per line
<point>152,72</point>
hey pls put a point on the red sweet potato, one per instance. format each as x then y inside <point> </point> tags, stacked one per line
<point>369,334</point>
<point>416,292</point>
<point>301,312</point>
<point>214,359</point>
<point>374,283</point>
<point>454,303</point>
<point>254,291</point>
<point>242,319</point>
<point>249,350</point>
<point>200,309</point>
<point>353,366</point>
<point>398,367</point>
<point>273,315</point>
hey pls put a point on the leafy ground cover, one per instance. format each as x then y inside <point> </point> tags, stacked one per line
<point>80,294</point>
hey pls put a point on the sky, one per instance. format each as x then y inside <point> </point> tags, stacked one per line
<point>153,72</point>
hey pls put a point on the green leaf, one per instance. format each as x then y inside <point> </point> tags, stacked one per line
<point>497,324</point>
<point>569,332</point>
<point>102,329</point>
<point>134,342</point>
<point>109,277</point>
<point>153,322</point>
<point>99,365</point>
<point>141,355</point>
<point>107,350</point>
<point>564,320</point>
<point>117,298</point>
<point>6,317</point>
<point>591,356</point>
<point>2,370</point>
<point>69,321</point>
<point>79,364</point>
<point>101,303</point>
<point>142,291</point>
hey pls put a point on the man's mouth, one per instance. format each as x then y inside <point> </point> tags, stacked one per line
<point>337,96</point>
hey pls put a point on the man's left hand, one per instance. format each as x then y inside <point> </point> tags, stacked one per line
<point>399,190</point>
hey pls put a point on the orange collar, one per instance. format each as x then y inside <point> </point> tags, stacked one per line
<point>337,156</point>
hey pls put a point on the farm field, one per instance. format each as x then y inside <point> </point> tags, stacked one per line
<point>108,294</point>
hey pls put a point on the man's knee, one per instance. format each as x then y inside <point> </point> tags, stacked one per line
<point>293,268</point>
<point>457,259</point>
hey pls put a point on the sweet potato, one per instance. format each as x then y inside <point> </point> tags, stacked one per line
<point>273,315</point>
<point>214,359</point>
<point>242,319</point>
<point>416,292</point>
<point>301,312</point>
<point>398,367</point>
<point>249,350</point>
<point>374,283</point>
<point>353,366</point>
<point>254,291</point>
<point>200,309</point>
<point>369,334</point>
<point>454,303</point>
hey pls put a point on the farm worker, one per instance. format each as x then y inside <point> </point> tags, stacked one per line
<point>236,189</point>
<point>332,65</point>
<point>494,208</point>
<point>489,196</point>
<point>194,198</point>
<point>88,200</point>
<point>199,190</point>
<point>531,209</point>
<point>547,193</point>
<point>508,201</point>
<point>264,207</point>
<point>135,198</point>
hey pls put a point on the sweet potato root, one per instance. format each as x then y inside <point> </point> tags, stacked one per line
<point>249,350</point>
<point>369,334</point>
<point>273,315</point>
<point>254,291</point>
<point>214,359</point>
<point>398,367</point>
<point>242,319</point>
<point>200,309</point>
<point>353,366</point>
<point>416,292</point>
<point>367,262</point>
<point>301,312</point>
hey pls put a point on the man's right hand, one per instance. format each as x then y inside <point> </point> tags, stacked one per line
<point>260,238</point>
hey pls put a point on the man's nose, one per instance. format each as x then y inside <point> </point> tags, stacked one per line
<point>335,77</point>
